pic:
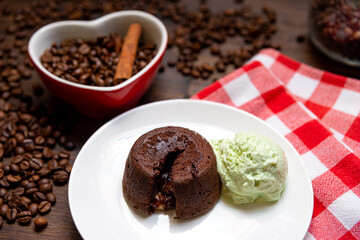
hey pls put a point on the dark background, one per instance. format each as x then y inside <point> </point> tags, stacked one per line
<point>291,22</point>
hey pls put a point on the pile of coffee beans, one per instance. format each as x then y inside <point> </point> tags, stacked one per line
<point>336,25</point>
<point>92,62</point>
<point>34,152</point>
<point>203,29</point>
<point>30,166</point>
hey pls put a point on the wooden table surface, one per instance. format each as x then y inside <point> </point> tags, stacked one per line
<point>292,22</point>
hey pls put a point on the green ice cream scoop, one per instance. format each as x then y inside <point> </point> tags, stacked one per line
<point>251,166</point>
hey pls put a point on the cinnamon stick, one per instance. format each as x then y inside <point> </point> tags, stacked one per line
<point>128,53</point>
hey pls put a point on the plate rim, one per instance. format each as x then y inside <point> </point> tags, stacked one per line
<point>187,101</point>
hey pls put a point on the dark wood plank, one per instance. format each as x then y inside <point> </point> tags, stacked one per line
<point>292,21</point>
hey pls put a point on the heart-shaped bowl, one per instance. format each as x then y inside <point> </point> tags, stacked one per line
<point>95,101</point>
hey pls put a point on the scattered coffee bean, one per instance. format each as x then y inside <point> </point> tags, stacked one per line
<point>30,185</point>
<point>44,207</point>
<point>60,177</point>
<point>33,208</point>
<point>13,178</point>
<point>40,223</point>
<point>300,38</point>
<point>38,197</point>
<point>43,181</point>
<point>51,197</point>
<point>31,191</point>
<point>38,90</point>
<point>63,162</point>
<point>36,164</point>
<point>24,217</point>
<point>70,146</point>
<point>68,168</point>
<point>1,221</point>
<point>11,215</point>
<point>3,210</point>
<point>3,192</point>
<point>19,191</point>
<point>45,188</point>
<point>26,200</point>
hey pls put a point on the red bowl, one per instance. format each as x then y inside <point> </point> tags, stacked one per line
<point>93,101</point>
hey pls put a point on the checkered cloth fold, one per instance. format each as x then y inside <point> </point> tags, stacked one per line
<point>319,113</point>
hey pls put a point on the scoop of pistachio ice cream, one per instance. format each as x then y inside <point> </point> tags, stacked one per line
<point>251,166</point>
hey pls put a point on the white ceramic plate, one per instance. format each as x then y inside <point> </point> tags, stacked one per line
<point>100,211</point>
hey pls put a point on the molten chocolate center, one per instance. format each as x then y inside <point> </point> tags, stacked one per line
<point>164,198</point>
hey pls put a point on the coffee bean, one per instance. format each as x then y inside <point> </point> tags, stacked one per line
<point>39,140</point>
<point>30,184</point>
<point>33,208</point>
<point>24,217</point>
<point>43,181</point>
<point>205,75</point>
<point>45,188</point>
<point>4,183</point>
<point>44,172</point>
<point>52,164</point>
<point>13,178</point>
<point>195,73</point>
<point>50,142</point>
<point>44,207</point>
<point>60,177</point>
<point>40,223</point>
<point>24,165</point>
<point>24,183</point>
<point>1,222</point>
<point>26,200</point>
<point>36,163</point>
<point>68,168</point>
<point>6,168</point>
<point>14,201</point>
<point>19,191</point>
<point>220,66</point>
<point>16,160</point>
<point>64,154</point>
<point>34,178</point>
<point>3,209</point>
<point>51,197</point>
<point>215,49</point>
<point>70,145</point>
<point>29,173</point>
<point>11,214</point>
<point>38,197</point>
<point>3,192</point>
<point>62,140</point>
<point>63,162</point>
<point>55,156</point>
<point>300,38</point>
<point>56,134</point>
<point>14,168</point>
<point>1,201</point>
<point>47,152</point>
<point>38,90</point>
<point>31,191</point>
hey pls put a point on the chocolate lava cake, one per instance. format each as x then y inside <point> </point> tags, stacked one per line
<point>172,167</point>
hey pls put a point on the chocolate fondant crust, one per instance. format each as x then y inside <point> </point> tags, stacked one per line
<point>194,179</point>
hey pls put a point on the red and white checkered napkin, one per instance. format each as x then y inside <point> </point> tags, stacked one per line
<point>319,113</point>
